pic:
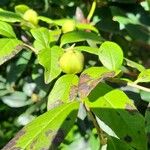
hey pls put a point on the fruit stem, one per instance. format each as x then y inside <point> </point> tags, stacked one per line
<point>100,132</point>
<point>91,11</point>
<point>30,47</point>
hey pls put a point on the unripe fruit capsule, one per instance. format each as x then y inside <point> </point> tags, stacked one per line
<point>68,26</point>
<point>31,16</point>
<point>72,62</point>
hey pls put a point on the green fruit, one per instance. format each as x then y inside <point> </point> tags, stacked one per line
<point>68,26</point>
<point>31,16</point>
<point>72,62</point>
<point>21,9</point>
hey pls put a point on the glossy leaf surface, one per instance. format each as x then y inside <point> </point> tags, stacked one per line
<point>46,131</point>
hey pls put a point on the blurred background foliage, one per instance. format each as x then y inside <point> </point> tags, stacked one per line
<point>23,93</point>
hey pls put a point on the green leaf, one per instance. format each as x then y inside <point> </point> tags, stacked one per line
<point>45,19</point>
<point>134,65</point>
<point>108,25</point>
<point>49,59</point>
<point>95,94</point>
<point>139,33</point>
<point>118,112</point>
<point>54,35</point>
<point>78,36</point>
<point>42,38</point>
<point>60,22</point>
<point>46,131</point>
<point>144,76</point>
<point>9,16</point>
<point>91,77</point>
<point>88,49</point>
<point>9,48</point>
<point>6,30</point>
<point>45,38</point>
<point>64,90</point>
<point>111,55</point>
<point>83,26</point>
<point>147,121</point>
<point>116,144</point>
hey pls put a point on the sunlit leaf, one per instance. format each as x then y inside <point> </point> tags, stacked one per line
<point>144,76</point>
<point>64,90</point>
<point>9,16</point>
<point>134,65</point>
<point>6,30</point>
<point>9,48</point>
<point>46,131</point>
<point>45,19</point>
<point>78,36</point>
<point>118,112</point>
<point>49,59</point>
<point>111,55</point>
<point>42,38</point>
<point>82,26</point>
<point>91,77</point>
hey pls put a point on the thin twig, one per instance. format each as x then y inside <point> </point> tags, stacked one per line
<point>131,84</point>
<point>91,10</point>
<point>138,87</point>
<point>100,132</point>
<point>30,47</point>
